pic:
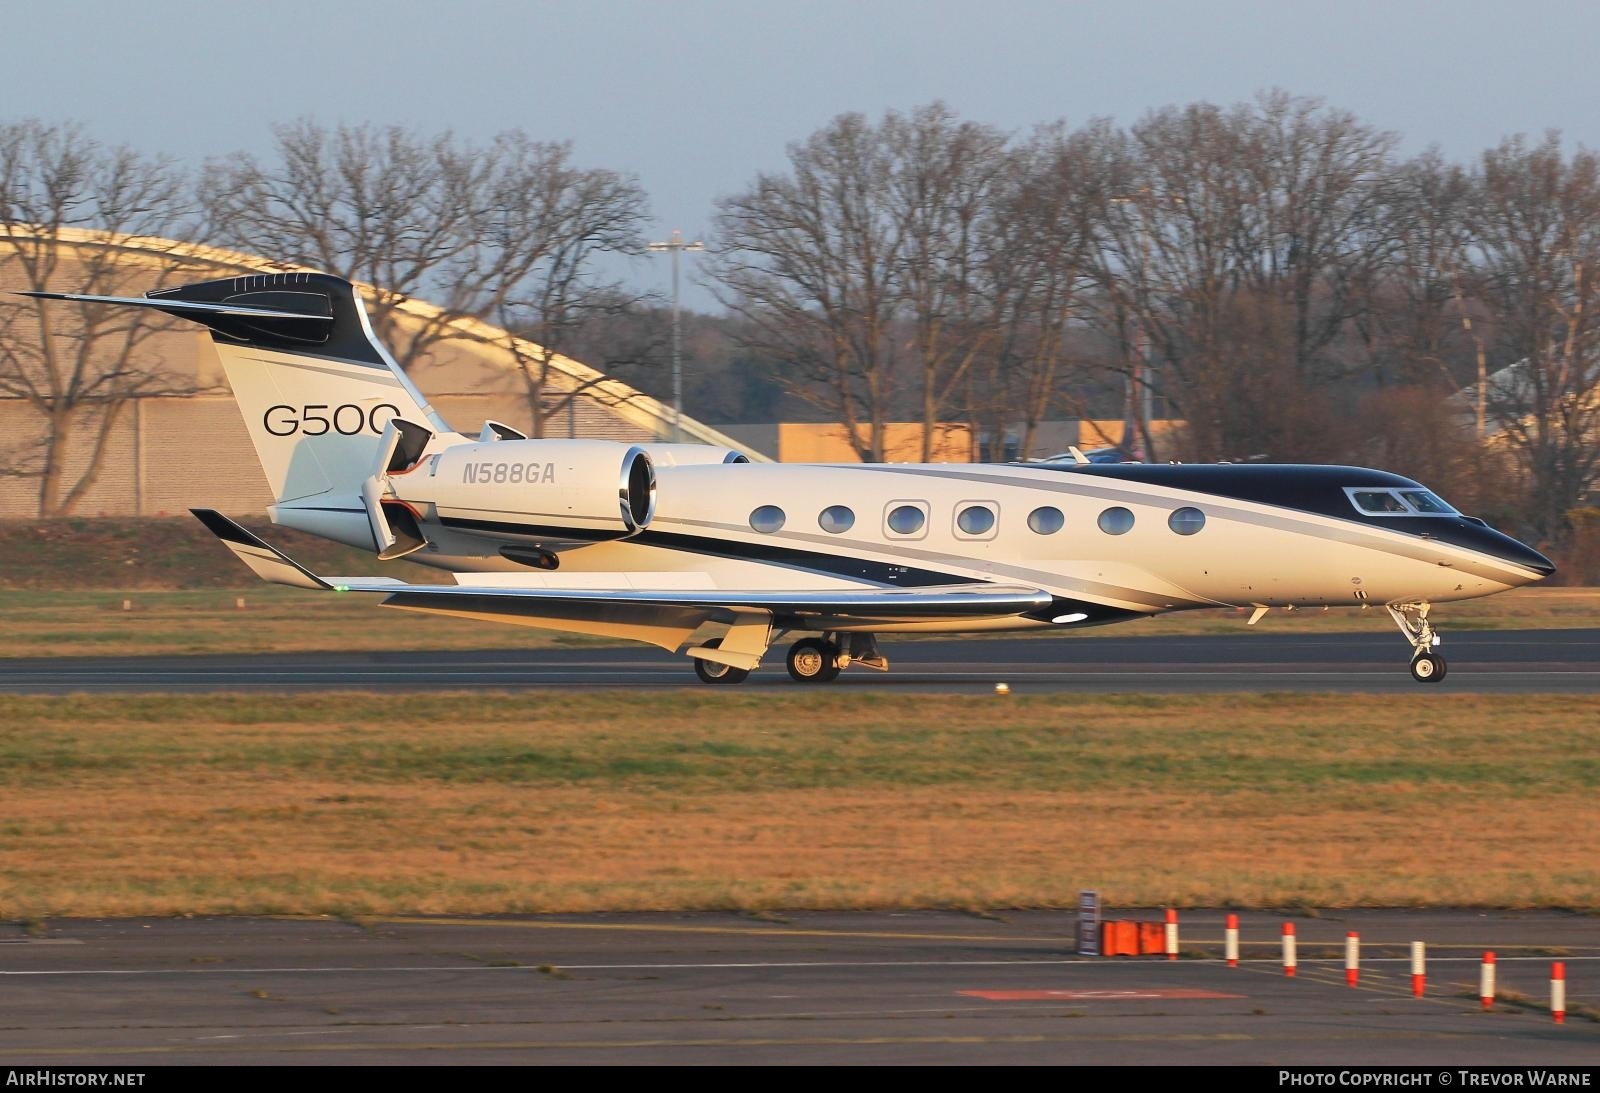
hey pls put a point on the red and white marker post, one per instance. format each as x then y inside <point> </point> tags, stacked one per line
<point>1419,968</point>
<point>1352,959</point>
<point>1289,961</point>
<point>1230,941</point>
<point>1558,992</point>
<point>1486,982</point>
<point>1172,934</point>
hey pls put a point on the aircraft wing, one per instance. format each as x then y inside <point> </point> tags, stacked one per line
<point>975,600</point>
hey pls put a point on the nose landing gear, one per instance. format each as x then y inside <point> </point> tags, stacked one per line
<point>1427,667</point>
<point>1427,663</point>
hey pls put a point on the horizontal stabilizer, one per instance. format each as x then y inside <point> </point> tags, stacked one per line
<point>182,308</point>
<point>266,561</point>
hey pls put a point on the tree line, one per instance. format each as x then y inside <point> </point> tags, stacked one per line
<point>1274,274</point>
<point>507,232</point>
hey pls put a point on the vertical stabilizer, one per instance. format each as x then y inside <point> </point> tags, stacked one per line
<point>314,384</point>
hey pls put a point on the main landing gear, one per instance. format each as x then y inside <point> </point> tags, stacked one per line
<point>1427,663</point>
<point>820,660</point>
<point>810,660</point>
<point>710,671</point>
<point>816,660</point>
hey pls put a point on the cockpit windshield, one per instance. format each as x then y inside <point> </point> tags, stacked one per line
<point>1401,502</point>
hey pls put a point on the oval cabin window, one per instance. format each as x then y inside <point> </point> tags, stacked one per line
<point>767,519</point>
<point>1186,521</point>
<point>1116,521</point>
<point>976,520</point>
<point>1046,520</point>
<point>906,520</point>
<point>836,519</point>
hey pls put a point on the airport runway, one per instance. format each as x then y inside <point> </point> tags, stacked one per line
<point>1495,662</point>
<point>856,988</point>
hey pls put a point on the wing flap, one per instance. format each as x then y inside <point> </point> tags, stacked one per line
<point>962,600</point>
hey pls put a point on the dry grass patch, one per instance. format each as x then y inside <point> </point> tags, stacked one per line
<point>272,620</point>
<point>504,803</point>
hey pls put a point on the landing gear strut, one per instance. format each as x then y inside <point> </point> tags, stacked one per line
<point>1427,663</point>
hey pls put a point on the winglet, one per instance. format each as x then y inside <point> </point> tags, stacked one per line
<point>266,561</point>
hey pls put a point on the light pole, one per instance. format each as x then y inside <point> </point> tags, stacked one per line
<point>676,246</point>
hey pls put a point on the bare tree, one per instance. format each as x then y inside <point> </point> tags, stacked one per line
<point>384,206</point>
<point>1236,255</point>
<point>78,366</point>
<point>507,232</point>
<point>810,258</point>
<point>549,221</point>
<point>1537,222</point>
<point>1423,285</point>
<point>1169,271</point>
<point>1038,258</point>
<point>942,188</point>
<point>1310,223</point>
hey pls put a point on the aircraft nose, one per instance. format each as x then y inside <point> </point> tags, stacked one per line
<point>1535,561</point>
<point>1510,550</point>
<point>1476,535</point>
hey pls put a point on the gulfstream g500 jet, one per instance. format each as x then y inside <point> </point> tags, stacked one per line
<point>693,546</point>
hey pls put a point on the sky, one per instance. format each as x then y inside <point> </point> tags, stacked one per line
<point>694,97</point>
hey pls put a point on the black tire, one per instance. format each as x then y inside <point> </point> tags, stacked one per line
<point>710,671</point>
<point>812,660</point>
<point>1428,667</point>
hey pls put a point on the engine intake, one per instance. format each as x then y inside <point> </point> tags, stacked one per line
<point>637,492</point>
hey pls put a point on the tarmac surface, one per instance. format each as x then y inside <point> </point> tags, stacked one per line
<point>1494,662</point>
<point>840,988</point>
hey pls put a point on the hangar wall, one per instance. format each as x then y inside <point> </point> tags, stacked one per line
<point>164,454</point>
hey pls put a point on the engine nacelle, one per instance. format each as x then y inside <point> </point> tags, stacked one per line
<point>691,455</point>
<point>560,490</point>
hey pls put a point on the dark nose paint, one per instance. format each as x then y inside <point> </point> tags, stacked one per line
<point>1464,531</point>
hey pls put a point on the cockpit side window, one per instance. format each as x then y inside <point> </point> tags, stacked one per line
<point>1427,502</point>
<point>1379,502</point>
<point>1411,502</point>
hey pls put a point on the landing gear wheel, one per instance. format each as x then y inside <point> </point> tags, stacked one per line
<point>1428,667</point>
<point>1427,663</point>
<point>812,660</point>
<point>710,671</point>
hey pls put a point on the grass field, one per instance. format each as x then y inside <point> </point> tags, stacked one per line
<point>460,803</point>
<point>91,622</point>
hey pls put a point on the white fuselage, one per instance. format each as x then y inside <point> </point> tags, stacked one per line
<point>1247,553</point>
